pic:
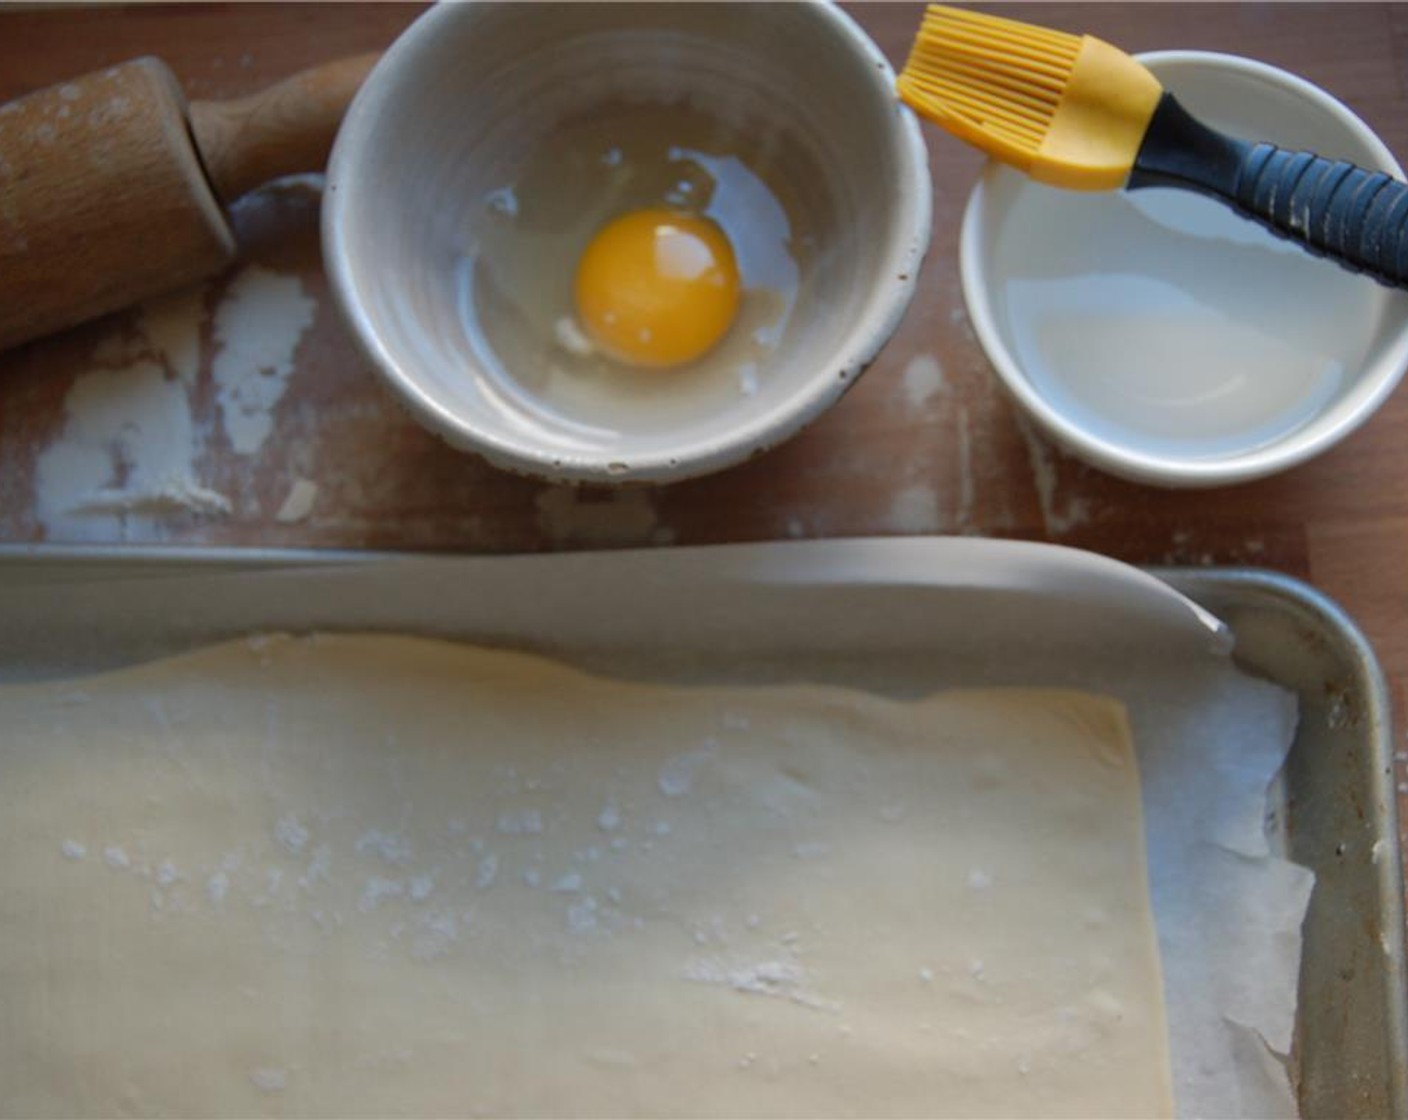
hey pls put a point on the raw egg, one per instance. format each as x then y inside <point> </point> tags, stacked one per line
<point>637,272</point>
<point>657,288</point>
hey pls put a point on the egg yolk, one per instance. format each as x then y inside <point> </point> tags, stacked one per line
<point>657,288</point>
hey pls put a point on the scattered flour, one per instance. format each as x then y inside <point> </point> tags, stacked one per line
<point>217,887</point>
<point>123,464</point>
<point>923,380</point>
<point>581,915</point>
<point>376,891</point>
<point>568,884</point>
<point>779,979</point>
<point>170,494</point>
<point>116,858</point>
<point>124,459</point>
<point>609,819</point>
<point>487,872</point>
<point>915,509</point>
<point>389,846</point>
<point>299,502</point>
<point>676,775</point>
<point>520,822</point>
<point>269,1079</point>
<point>257,330</point>
<point>437,932</point>
<point>979,880</point>
<point>291,835</point>
<point>113,109</point>
<point>318,868</point>
<point>171,326</point>
<point>966,490</point>
<point>72,849</point>
<point>1075,511</point>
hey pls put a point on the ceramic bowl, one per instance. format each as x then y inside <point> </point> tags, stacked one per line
<point>470,92</point>
<point>1162,338</point>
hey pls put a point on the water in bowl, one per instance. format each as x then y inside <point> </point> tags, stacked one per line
<point>1160,321</point>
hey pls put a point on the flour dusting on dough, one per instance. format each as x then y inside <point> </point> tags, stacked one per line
<point>779,979</point>
<point>335,865</point>
<point>269,1079</point>
<point>291,834</point>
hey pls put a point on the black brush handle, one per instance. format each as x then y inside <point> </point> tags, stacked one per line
<point>1333,209</point>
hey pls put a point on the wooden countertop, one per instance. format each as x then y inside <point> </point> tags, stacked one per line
<point>888,459</point>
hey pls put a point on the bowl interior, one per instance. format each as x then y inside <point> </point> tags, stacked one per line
<point>1163,337</point>
<point>472,95</point>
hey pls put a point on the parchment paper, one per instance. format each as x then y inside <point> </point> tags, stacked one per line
<point>900,617</point>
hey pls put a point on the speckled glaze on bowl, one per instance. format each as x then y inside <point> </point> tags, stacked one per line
<point>470,88</point>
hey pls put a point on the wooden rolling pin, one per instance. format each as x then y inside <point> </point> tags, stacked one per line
<point>113,189</point>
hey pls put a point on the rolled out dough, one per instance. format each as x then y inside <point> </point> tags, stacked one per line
<point>366,875</point>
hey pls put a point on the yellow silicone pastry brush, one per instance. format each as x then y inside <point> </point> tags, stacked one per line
<point>1076,112</point>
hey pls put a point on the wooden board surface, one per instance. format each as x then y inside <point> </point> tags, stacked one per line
<point>893,457</point>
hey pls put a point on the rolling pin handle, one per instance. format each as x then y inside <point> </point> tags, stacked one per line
<point>287,129</point>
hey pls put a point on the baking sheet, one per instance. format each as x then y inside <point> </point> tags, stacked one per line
<point>899,617</point>
<point>1336,806</point>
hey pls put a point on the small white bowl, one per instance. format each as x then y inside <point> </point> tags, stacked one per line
<point>1162,338</point>
<point>469,92</point>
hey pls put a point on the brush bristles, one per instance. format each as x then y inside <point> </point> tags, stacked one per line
<point>1001,75</point>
